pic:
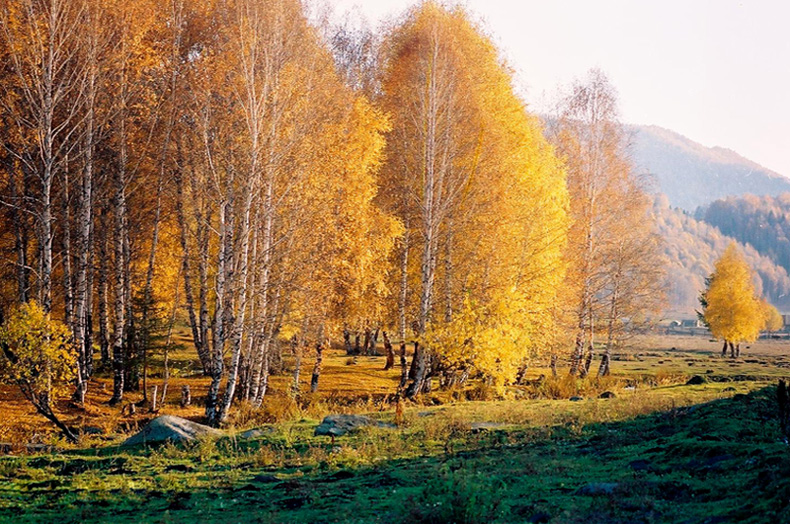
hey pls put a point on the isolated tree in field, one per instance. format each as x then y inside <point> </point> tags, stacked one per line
<point>39,358</point>
<point>730,307</point>
<point>481,195</point>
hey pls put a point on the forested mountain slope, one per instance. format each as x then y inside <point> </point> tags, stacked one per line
<point>692,246</point>
<point>763,222</point>
<point>692,175</point>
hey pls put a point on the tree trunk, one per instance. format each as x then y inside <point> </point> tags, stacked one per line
<point>448,274</point>
<point>67,432</point>
<point>296,347</point>
<point>201,343</point>
<point>578,353</point>
<point>374,341</point>
<point>241,274</point>
<point>20,233</point>
<point>366,345</point>
<point>119,287</point>
<point>263,383</point>
<point>404,367</point>
<point>603,369</point>
<point>83,302</point>
<point>553,364</point>
<point>266,353</point>
<point>404,287</point>
<point>268,312</point>
<point>186,396</point>
<point>319,358</point>
<point>587,362</point>
<point>521,376</point>
<point>414,358</point>
<point>390,353</point>
<point>154,399</point>
<point>148,299</point>
<point>220,313</point>
<point>104,292</point>
<point>422,381</point>
<point>132,361</point>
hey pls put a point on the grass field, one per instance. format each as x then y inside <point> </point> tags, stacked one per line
<point>660,451</point>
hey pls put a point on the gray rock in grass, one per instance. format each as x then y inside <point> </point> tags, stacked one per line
<point>173,429</point>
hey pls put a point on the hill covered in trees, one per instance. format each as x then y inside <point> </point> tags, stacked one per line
<point>692,246</point>
<point>692,175</point>
<point>760,221</point>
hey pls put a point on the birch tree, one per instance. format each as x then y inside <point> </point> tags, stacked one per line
<point>42,98</point>
<point>611,223</point>
<point>482,193</point>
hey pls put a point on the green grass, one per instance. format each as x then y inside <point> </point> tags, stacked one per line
<point>666,454</point>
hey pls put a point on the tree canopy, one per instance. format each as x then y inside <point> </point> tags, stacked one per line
<point>733,311</point>
<point>481,192</point>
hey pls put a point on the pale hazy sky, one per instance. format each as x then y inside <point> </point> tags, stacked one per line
<point>717,71</point>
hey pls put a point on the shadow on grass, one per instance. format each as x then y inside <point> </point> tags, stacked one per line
<point>722,461</point>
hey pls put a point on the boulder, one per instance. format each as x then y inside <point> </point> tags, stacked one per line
<point>256,433</point>
<point>171,428</point>
<point>575,399</point>
<point>607,394</point>
<point>696,380</point>
<point>337,425</point>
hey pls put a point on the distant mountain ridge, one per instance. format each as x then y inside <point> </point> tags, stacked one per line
<point>693,175</point>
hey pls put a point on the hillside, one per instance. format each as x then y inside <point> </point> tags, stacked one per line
<point>762,222</point>
<point>692,175</point>
<point>692,247</point>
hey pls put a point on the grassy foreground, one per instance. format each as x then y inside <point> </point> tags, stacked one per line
<point>708,453</point>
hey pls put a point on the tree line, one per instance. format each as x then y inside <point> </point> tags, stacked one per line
<point>278,185</point>
<point>760,221</point>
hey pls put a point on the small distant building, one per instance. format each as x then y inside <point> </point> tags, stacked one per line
<point>691,323</point>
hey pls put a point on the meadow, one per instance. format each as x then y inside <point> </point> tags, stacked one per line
<point>657,450</point>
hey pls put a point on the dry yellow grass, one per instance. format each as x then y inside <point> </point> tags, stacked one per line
<point>365,386</point>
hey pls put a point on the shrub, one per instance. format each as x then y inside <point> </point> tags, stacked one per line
<point>455,497</point>
<point>38,356</point>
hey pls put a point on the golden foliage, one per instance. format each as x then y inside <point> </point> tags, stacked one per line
<point>733,311</point>
<point>771,316</point>
<point>469,171</point>
<point>39,351</point>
